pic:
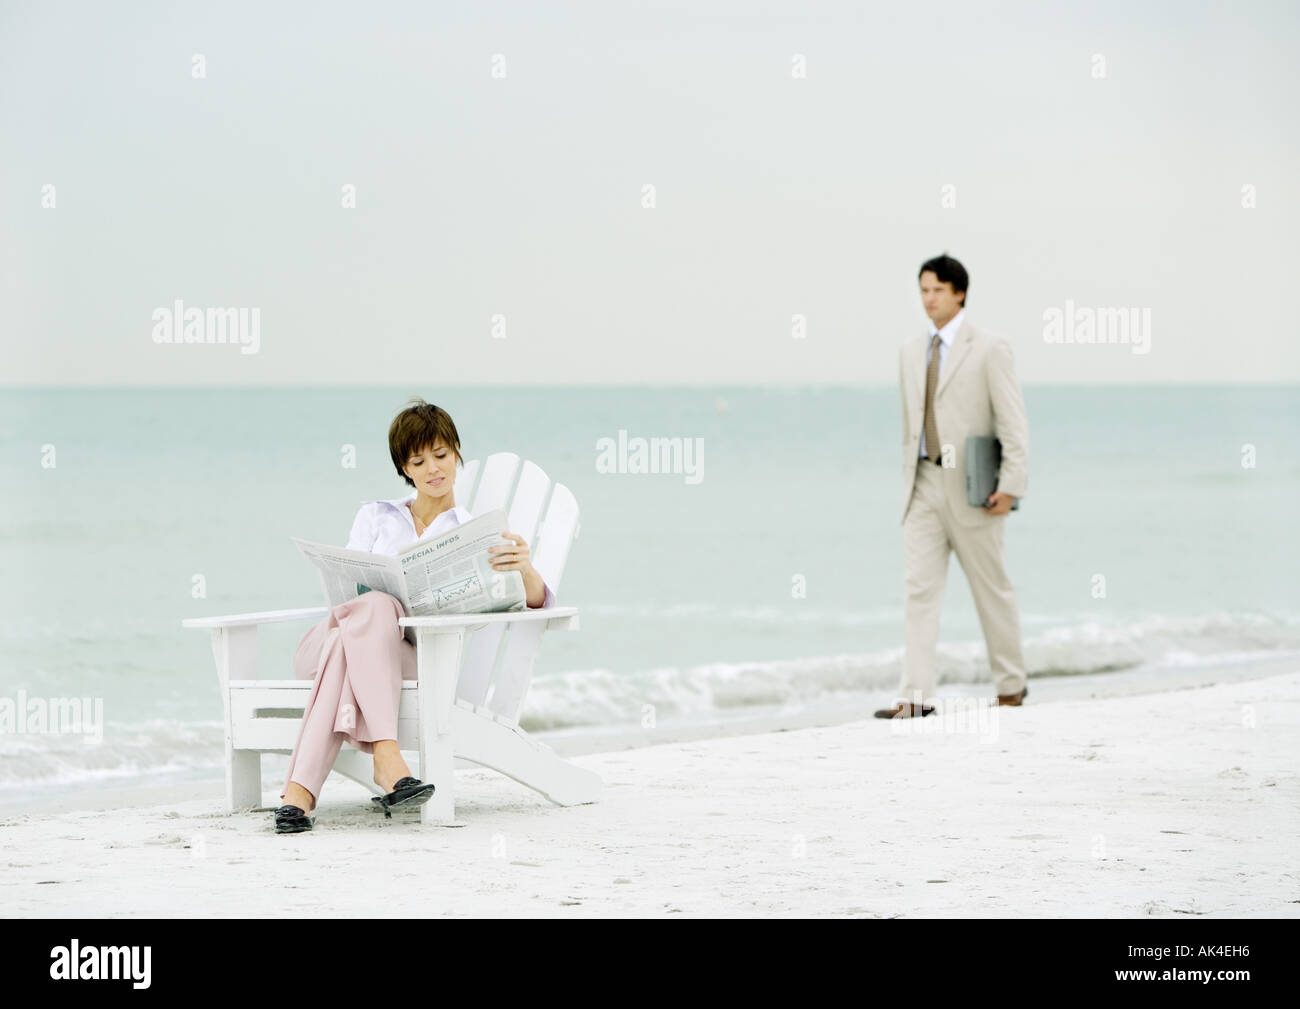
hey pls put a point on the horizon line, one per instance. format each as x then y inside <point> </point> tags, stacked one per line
<point>260,386</point>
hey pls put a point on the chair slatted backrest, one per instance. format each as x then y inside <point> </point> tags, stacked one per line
<point>482,647</point>
<point>559,530</point>
<point>497,664</point>
<point>463,488</point>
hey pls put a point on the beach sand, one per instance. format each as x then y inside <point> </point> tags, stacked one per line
<point>1179,803</point>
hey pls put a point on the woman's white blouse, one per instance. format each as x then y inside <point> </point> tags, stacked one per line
<point>385,527</point>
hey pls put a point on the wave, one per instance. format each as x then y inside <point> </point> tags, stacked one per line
<point>600,697</point>
<point>141,752</point>
<point>126,754</point>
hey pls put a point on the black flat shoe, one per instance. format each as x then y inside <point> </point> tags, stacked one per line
<point>406,792</point>
<point>292,820</point>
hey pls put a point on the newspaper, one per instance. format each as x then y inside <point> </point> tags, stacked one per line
<point>449,573</point>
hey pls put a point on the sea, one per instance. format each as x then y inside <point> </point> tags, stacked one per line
<point>760,575</point>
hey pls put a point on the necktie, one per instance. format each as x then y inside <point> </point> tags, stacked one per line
<point>933,449</point>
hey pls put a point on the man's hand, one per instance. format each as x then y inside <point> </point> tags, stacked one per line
<point>999,503</point>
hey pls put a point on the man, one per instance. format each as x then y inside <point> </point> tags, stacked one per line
<point>957,382</point>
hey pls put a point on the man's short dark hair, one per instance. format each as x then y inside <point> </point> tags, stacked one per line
<point>948,271</point>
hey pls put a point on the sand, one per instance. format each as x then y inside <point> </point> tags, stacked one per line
<point>1179,803</point>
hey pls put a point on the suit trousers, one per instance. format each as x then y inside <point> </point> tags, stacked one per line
<point>358,659</point>
<point>930,533</point>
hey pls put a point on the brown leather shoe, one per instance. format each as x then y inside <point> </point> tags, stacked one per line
<point>1013,700</point>
<point>905,710</point>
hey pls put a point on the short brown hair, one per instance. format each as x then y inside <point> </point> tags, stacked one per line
<point>418,427</point>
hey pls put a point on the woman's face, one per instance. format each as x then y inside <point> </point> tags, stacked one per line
<point>433,470</point>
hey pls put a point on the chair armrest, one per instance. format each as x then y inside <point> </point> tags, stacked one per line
<point>557,618</point>
<point>252,619</point>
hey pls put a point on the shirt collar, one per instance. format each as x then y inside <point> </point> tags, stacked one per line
<point>462,514</point>
<point>949,331</point>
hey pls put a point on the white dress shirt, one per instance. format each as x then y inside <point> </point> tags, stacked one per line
<point>945,342</point>
<point>385,527</point>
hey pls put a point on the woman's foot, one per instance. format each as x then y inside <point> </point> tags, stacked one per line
<point>296,795</point>
<point>390,768</point>
<point>292,820</point>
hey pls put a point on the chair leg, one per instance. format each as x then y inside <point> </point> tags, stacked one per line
<point>243,779</point>
<point>438,664</point>
<point>438,767</point>
<point>512,752</point>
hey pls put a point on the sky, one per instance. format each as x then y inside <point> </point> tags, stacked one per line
<point>625,193</point>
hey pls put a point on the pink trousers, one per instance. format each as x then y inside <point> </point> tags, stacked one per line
<point>358,658</point>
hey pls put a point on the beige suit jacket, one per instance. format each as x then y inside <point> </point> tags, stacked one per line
<point>977,395</point>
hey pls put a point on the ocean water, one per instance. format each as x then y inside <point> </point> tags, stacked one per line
<point>118,502</point>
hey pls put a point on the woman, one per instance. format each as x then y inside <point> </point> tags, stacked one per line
<point>357,655</point>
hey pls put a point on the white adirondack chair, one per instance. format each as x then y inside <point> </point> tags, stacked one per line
<point>474,670</point>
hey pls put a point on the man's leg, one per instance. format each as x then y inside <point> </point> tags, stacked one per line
<point>979,550</point>
<point>925,570</point>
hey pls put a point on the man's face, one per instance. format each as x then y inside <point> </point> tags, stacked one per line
<point>941,302</point>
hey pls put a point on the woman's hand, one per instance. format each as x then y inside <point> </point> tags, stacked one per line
<point>514,557</point>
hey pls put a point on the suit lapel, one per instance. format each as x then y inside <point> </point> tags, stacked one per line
<point>960,348</point>
<point>916,392</point>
